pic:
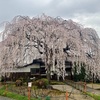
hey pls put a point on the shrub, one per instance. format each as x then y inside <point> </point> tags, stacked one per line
<point>42,83</point>
<point>2,79</point>
<point>46,81</point>
<point>18,83</point>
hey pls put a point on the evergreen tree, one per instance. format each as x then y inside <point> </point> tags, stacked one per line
<point>82,73</point>
<point>75,71</point>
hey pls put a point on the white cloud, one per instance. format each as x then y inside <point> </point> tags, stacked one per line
<point>86,12</point>
<point>89,20</point>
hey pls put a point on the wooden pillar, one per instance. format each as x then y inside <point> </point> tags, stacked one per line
<point>85,87</point>
<point>29,93</point>
<point>29,90</point>
<point>66,95</point>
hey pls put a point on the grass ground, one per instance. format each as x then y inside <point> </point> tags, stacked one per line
<point>96,97</point>
<point>11,95</point>
<point>20,93</point>
<point>53,82</point>
<point>16,96</point>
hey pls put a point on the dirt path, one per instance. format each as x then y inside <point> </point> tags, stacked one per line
<point>75,95</point>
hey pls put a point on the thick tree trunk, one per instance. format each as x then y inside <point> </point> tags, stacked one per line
<point>63,76</point>
<point>57,77</point>
<point>48,73</point>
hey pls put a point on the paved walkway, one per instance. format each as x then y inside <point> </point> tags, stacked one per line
<point>4,98</point>
<point>95,88</point>
<point>75,95</point>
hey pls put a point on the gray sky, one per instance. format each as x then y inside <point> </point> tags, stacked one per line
<point>85,12</point>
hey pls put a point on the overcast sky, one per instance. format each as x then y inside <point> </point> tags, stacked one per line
<point>85,12</point>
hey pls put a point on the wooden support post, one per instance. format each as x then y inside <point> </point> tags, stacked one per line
<point>92,84</point>
<point>85,87</point>
<point>66,95</point>
<point>29,93</point>
<point>6,88</point>
<point>29,90</point>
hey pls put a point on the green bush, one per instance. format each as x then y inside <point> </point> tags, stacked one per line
<point>46,81</point>
<point>41,83</point>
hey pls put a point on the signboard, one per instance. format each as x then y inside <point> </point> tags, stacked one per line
<point>29,84</point>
